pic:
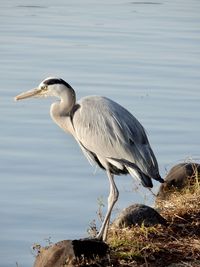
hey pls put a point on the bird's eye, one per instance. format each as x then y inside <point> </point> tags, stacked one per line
<point>44,87</point>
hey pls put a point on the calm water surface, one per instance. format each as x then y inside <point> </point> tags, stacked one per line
<point>143,54</point>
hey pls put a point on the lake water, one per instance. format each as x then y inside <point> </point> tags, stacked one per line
<point>143,54</point>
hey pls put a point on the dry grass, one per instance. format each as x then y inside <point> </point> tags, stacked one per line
<point>161,246</point>
<point>174,245</point>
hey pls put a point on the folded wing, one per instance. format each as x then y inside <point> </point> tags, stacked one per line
<point>111,136</point>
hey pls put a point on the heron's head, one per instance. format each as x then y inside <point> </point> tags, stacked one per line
<point>51,86</point>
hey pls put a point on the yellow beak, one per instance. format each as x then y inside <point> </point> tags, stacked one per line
<point>36,92</point>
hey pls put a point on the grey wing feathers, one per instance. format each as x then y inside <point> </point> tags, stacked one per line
<point>110,132</point>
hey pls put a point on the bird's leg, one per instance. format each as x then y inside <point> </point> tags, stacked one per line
<point>112,199</point>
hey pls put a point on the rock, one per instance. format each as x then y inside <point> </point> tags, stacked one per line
<point>138,214</point>
<point>70,253</point>
<point>180,176</point>
<point>195,263</point>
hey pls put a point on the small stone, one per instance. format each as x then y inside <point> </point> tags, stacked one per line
<point>138,214</point>
<point>179,177</point>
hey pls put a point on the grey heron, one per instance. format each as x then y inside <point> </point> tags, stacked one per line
<point>108,134</point>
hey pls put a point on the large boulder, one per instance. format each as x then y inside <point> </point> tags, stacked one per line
<point>70,253</point>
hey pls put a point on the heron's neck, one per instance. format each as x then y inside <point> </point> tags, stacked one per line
<point>60,110</point>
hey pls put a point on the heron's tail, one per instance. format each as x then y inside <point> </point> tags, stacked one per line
<point>145,180</point>
<point>159,178</point>
<point>135,171</point>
